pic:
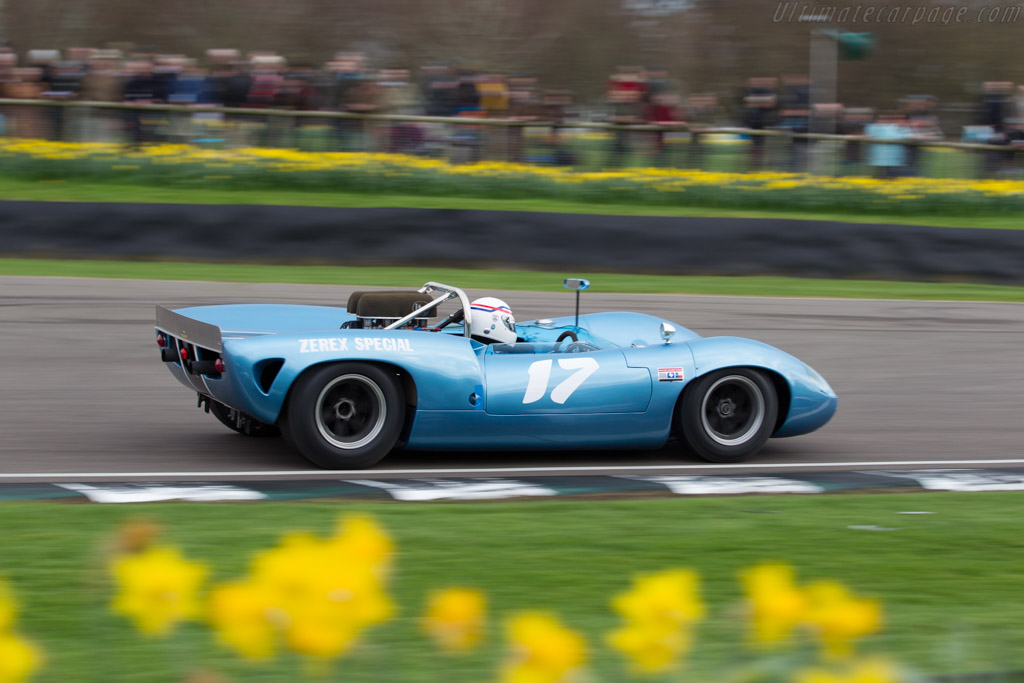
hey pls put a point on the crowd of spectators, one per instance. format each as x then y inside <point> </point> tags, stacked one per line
<point>263,81</point>
<point>347,83</point>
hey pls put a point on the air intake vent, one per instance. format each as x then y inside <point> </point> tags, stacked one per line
<point>266,373</point>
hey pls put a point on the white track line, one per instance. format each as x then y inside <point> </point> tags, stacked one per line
<point>539,471</point>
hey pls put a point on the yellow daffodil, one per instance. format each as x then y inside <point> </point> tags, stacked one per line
<point>243,615</point>
<point>8,608</point>
<point>669,599</point>
<point>19,658</point>
<point>455,618</point>
<point>659,612</point>
<point>157,588</point>
<point>319,629</point>
<point>839,618</point>
<point>312,596</point>
<point>651,649</point>
<point>776,603</point>
<point>866,671</point>
<point>542,649</point>
<point>361,539</point>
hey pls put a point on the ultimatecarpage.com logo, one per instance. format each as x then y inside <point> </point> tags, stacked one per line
<point>896,14</point>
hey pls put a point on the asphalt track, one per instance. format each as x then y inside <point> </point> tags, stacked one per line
<point>82,390</point>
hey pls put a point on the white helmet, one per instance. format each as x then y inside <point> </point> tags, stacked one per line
<point>491,320</point>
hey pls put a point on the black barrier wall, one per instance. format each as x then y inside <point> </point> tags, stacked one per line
<point>677,245</point>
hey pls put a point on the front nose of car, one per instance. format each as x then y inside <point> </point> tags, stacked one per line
<point>812,404</point>
<point>822,394</point>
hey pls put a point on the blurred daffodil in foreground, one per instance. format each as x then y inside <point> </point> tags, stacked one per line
<point>839,618</point>
<point>541,650</point>
<point>157,588</point>
<point>455,618</point>
<point>659,612</point>
<point>866,671</point>
<point>825,608</point>
<point>243,614</point>
<point>19,658</point>
<point>8,609</point>
<point>776,603</point>
<point>312,596</point>
<point>317,596</point>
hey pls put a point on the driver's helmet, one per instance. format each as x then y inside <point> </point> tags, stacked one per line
<point>491,320</point>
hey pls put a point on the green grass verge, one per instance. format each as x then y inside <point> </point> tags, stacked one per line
<point>949,581</point>
<point>513,280</point>
<point>59,190</point>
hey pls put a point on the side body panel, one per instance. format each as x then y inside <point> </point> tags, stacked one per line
<point>566,383</point>
<point>476,430</point>
<point>652,375</point>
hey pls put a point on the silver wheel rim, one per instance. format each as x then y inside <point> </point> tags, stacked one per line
<point>732,410</point>
<point>350,411</point>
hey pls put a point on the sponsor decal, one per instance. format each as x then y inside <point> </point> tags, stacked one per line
<point>328,344</point>
<point>670,374</point>
<point>456,489</point>
<point>383,344</point>
<point>323,344</point>
<point>150,493</point>
<point>687,485</point>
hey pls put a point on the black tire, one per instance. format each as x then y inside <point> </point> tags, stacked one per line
<point>243,424</point>
<point>727,415</point>
<point>345,415</point>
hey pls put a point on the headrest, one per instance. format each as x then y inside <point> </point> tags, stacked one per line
<point>392,305</point>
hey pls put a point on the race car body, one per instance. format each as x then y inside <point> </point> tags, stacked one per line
<point>347,385</point>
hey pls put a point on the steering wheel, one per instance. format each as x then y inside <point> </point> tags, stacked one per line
<point>456,317</point>
<point>568,334</point>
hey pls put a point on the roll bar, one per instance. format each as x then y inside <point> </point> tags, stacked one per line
<point>447,292</point>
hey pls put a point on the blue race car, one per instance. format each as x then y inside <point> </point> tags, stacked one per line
<point>346,386</point>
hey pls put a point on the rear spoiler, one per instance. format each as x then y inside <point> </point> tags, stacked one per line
<point>193,331</point>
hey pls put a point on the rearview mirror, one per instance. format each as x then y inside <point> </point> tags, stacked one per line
<point>667,331</point>
<point>579,284</point>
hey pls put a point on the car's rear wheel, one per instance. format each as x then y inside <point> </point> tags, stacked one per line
<point>345,415</point>
<point>727,415</point>
<point>238,422</point>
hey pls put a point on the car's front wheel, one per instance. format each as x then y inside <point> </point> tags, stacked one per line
<point>345,415</point>
<point>727,415</point>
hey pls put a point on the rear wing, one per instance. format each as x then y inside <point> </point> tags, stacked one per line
<point>188,329</point>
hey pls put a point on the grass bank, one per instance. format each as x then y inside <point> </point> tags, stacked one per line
<point>512,280</point>
<point>948,579</point>
<point>186,167</point>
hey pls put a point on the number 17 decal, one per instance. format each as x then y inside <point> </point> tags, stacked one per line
<point>540,373</point>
